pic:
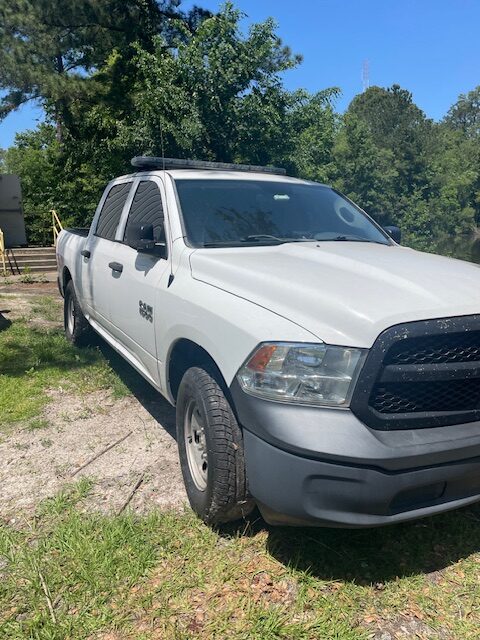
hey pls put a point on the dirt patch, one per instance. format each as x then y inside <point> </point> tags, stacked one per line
<point>405,628</point>
<point>44,285</point>
<point>38,310</point>
<point>38,463</point>
<point>14,306</point>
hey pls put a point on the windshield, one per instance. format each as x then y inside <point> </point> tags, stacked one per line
<point>219,213</point>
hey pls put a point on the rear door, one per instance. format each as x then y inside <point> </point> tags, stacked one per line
<point>133,293</point>
<point>97,274</point>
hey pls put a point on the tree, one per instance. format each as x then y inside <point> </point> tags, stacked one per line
<point>309,132</point>
<point>464,115</point>
<point>215,93</point>
<point>399,126</point>
<point>364,172</point>
<point>49,183</point>
<point>49,49</point>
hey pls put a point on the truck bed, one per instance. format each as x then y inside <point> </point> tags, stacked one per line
<point>78,231</point>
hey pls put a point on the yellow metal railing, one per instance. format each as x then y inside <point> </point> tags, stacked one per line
<point>2,253</point>
<point>56,226</point>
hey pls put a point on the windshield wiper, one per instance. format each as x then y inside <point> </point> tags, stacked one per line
<point>261,236</point>
<point>349,239</point>
<point>266,236</point>
<point>255,240</point>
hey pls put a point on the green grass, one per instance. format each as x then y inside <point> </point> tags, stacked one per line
<point>36,359</point>
<point>46,307</point>
<point>169,576</point>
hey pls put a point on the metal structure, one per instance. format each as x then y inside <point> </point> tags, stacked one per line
<point>3,253</point>
<point>12,222</point>
<point>56,226</point>
<point>365,75</point>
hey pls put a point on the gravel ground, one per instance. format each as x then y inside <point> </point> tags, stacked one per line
<point>35,464</point>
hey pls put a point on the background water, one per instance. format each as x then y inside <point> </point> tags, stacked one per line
<point>462,247</point>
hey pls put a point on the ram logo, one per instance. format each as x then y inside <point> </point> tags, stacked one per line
<point>146,311</point>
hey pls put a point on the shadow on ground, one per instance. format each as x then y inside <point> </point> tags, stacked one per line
<point>375,556</point>
<point>152,401</point>
<point>4,322</point>
<point>364,556</point>
<point>371,556</point>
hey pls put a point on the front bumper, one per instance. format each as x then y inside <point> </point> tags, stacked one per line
<point>292,490</point>
<point>317,466</point>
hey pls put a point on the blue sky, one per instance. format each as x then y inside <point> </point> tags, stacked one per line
<point>429,47</point>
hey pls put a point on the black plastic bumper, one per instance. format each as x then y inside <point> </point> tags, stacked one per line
<point>314,466</point>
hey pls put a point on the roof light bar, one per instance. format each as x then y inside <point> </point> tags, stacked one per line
<point>146,163</point>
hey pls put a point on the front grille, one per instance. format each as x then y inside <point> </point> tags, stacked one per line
<point>456,347</point>
<point>422,374</point>
<point>408,397</point>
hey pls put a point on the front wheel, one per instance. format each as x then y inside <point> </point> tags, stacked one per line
<point>77,329</point>
<point>210,445</point>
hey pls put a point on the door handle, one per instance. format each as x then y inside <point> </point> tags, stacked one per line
<point>85,253</point>
<point>116,266</point>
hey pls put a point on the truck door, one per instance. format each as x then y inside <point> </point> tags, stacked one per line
<point>132,291</point>
<point>97,255</point>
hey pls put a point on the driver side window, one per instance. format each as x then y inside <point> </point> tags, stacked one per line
<point>146,208</point>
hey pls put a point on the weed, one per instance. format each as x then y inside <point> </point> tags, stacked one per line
<point>27,277</point>
<point>37,423</point>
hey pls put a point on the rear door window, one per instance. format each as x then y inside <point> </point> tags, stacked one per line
<point>112,210</point>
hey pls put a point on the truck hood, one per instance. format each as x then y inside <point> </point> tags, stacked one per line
<point>344,293</point>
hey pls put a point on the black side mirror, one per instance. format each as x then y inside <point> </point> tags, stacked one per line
<point>140,237</point>
<point>395,233</point>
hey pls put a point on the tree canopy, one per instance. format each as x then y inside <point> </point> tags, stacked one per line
<point>119,78</point>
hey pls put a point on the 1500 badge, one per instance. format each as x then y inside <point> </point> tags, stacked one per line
<point>146,311</point>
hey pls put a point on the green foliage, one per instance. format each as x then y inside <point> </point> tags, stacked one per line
<point>464,115</point>
<point>49,48</point>
<point>309,131</point>
<point>364,171</point>
<point>214,93</point>
<point>406,170</point>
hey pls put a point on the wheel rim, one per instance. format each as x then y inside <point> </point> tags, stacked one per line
<point>70,315</point>
<point>196,446</point>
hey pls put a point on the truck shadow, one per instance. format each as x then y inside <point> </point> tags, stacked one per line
<point>373,557</point>
<point>377,556</point>
<point>149,398</point>
<point>363,556</point>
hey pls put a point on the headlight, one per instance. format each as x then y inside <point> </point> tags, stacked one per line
<point>309,373</point>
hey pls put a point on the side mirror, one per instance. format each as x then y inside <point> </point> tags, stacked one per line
<point>140,237</point>
<point>395,233</point>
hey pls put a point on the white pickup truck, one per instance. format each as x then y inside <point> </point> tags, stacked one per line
<point>319,369</point>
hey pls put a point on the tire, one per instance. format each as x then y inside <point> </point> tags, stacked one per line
<point>77,329</point>
<point>214,476</point>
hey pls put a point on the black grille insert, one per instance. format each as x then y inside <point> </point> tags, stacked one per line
<point>421,374</point>
<point>408,397</point>
<point>454,347</point>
